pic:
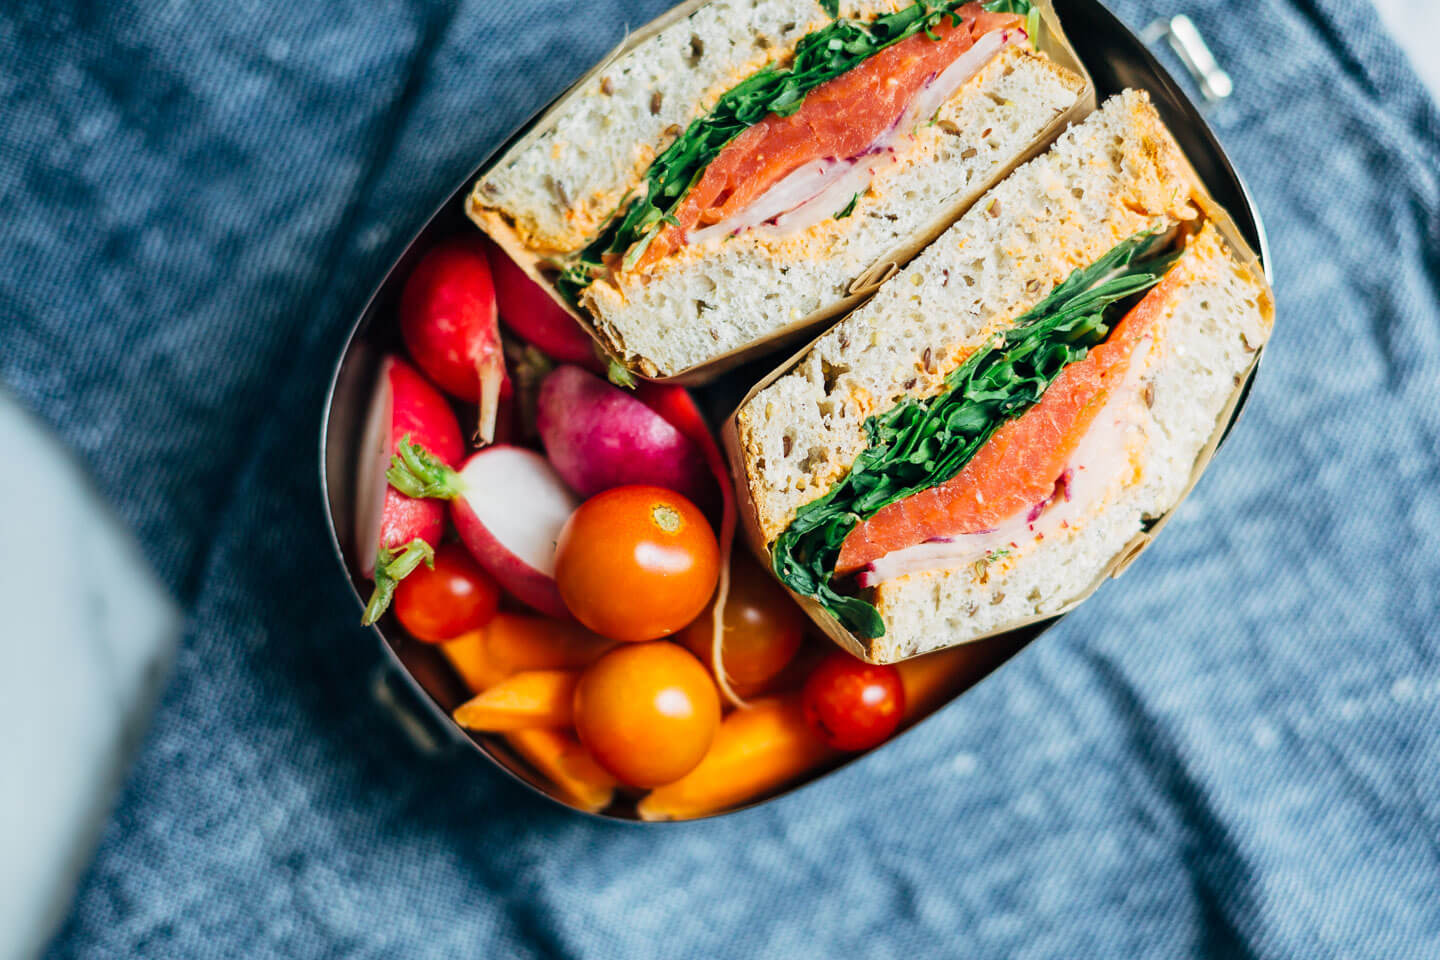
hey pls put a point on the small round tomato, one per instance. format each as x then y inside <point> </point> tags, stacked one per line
<point>636,563</point>
<point>647,712</point>
<point>851,704</point>
<point>763,629</point>
<point>453,598</point>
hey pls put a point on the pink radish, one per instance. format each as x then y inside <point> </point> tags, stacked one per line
<point>449,322</point>
<point>394,533</point>
<point>508,505</point>
<point>536,318</point>
<point>599,437</point>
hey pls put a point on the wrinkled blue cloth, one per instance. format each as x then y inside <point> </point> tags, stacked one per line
<point>1231,752</point>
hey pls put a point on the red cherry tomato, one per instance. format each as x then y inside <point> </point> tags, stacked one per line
<point>851,704</point>
<point>454,598</point>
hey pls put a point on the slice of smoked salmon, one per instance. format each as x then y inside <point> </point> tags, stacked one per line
<point>1022,461</point>
<point>838,119</point>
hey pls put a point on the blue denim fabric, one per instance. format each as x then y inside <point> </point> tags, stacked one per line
<point>1231,752</point>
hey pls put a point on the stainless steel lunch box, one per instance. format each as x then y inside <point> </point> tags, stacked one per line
<point>415,681</point>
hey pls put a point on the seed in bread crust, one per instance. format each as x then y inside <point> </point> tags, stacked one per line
<point>558,188</point>
<point>606,87</point>
<point>656,98</point>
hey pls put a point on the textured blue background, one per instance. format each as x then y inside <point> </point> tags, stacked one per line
<point>1232,752</point>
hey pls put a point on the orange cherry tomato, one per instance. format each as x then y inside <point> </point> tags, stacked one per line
<point>454,598</point>
<point>763,629</point>
<point>851,704</point>
<point>636,563</point>
<point>647,712</point>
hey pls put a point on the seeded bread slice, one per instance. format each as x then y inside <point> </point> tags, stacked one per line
<point>558,186</point>
<point>697,311</point>
<point>713,298</point>
<point>1218,316</point>
<point>1107,177</point>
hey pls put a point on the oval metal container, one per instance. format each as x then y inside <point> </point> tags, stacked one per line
<point>417,683</point>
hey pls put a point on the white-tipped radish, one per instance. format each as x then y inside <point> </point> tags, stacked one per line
<point>451,327</point>
<point>394,533</point>
<point>508,505</point>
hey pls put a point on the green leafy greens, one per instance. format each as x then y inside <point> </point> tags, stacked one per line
<point>922,443</point>
<point>820,56</point>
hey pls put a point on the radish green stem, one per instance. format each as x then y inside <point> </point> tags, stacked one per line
<point>390,568</point>
<point>417,474</point>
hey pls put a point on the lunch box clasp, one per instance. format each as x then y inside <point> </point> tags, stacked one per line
<point>1185,39</point>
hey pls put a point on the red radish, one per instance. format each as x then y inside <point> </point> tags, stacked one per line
<point>535,316</point>
<point>449,322</point>
<point>677,406</point>
<point>508,505</point>
<point>393,532</point>
<point>598,436</point>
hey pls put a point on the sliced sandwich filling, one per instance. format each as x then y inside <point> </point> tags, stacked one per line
<point>1027,436</point>
<point>790,148</point>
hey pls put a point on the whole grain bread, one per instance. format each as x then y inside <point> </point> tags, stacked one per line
<point>717,297</point>
<point>1107,177</point>
<point>549,195</point>
<point>1216,319</point>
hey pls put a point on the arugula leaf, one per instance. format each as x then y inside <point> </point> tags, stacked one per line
<point>1022,7</point>
<point>831,7</point>
<point>823,55</point>
<point>849,208</point>
<point>921,443</point>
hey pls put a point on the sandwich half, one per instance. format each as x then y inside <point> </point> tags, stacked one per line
<point>1005,423</point>
<point>755,166</point>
